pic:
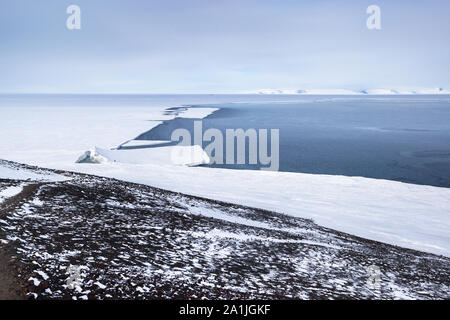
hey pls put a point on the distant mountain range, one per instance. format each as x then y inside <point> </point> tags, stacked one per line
<point>350,92</point>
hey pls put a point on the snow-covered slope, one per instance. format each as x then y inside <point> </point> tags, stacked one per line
<point>9,191</point>
<point>134,241</point>
<point>7,172</point>
<point>411,216</point>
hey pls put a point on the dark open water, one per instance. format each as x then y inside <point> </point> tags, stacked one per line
<point>399,138</point>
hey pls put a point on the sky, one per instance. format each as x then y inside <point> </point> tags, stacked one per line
<point>227,46</point>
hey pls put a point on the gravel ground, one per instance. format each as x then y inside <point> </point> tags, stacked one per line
<point>98,238</point>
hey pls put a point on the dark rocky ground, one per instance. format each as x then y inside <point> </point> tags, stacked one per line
<point>99,238</point>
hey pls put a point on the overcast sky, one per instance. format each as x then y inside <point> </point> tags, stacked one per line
<point>202,46</point>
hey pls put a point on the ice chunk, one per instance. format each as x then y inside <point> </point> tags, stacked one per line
<point>91,156</point>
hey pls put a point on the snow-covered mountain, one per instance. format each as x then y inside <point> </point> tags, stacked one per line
<point>398,91</point>
<point>379,91</point>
